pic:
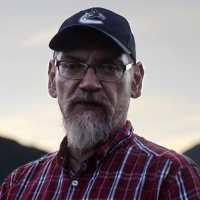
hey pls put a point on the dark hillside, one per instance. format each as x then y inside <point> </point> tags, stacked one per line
<point>194,154</point>
<point>14,155</point>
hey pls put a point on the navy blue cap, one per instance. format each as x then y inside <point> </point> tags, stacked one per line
<point>105,21</point>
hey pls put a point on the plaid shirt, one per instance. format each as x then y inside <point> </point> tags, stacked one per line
<point>127,167</point>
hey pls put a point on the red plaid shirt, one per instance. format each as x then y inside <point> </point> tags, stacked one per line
<point>127,167</point>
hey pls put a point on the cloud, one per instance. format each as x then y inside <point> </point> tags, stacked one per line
<point>39,39</point>
<point>169,120</point>
<point>182,144</point>
<point>40,126</point>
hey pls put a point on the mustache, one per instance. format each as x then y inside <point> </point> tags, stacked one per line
<point>90,98</point>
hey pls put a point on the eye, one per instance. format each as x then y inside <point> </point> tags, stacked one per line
<point>71,66</point>
<point>108,67</point>
<point>74,66</point>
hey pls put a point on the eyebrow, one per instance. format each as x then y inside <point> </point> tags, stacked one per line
<point>70,56</point>
<point>102,60</point>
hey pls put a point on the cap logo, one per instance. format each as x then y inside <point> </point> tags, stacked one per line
<point>93,17</point>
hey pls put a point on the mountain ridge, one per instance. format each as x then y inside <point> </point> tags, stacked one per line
<point>13,155</point>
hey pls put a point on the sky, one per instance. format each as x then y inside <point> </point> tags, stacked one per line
<point>167,43</point>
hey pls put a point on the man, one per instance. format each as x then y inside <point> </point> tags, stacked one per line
<point>93,74</point>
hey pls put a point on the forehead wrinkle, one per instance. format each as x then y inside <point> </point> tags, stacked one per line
<point>90,55</point>
<point>69,56</point>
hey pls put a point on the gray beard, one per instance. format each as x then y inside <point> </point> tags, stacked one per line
<point>82,131</point>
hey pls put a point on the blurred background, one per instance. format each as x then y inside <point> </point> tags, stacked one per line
<point>167,42</point>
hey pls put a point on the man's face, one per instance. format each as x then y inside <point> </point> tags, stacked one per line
<point>89,104</point>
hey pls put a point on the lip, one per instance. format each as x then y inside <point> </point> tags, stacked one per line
<point>89,105</point>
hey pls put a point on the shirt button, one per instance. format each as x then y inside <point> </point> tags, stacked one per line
<point>75,183</point>
<point>97,162</point>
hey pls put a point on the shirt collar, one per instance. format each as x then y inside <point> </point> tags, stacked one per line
<point>113,143</point>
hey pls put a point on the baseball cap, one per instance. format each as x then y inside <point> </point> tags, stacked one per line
<point>105,21</point>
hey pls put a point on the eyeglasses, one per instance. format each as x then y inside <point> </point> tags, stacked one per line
<point>104,72</point>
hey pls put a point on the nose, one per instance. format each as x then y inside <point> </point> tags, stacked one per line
<point>90,81</point>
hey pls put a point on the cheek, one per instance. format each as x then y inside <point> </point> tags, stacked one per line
<point>60,89</point>
<point>123,94</point>
<point>117,94</point>
<point>65,87</point>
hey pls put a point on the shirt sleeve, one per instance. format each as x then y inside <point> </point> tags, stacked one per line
<point>3,189</point>
<point>185,185</point>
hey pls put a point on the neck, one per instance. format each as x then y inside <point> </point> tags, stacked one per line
<point>76,157</point>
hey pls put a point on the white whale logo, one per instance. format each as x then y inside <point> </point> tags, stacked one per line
<point>93,17</point>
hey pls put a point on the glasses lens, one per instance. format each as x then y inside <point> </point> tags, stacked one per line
<point>72,70</point>
<point>109,72</point>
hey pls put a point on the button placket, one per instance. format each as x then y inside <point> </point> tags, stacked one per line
<point>97,163</point>
<point>76,176</point>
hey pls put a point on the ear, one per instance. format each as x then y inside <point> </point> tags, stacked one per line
<point>52,77</point>
<point>137,82</point>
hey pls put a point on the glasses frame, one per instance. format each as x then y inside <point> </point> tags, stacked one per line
<point>125,67</point>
